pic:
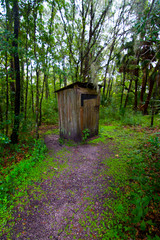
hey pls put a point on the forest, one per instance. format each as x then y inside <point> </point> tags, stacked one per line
<point>46,45</point>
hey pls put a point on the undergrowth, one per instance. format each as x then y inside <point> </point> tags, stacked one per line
<point>14,176</point>
<point>113,115</point>
<point>133,210</point>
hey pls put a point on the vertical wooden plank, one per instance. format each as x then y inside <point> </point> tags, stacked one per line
<point>79,114</point>
<point>74,118</point>
<point>65,112</point>
<point>69,115</point>
<point>90,114</point>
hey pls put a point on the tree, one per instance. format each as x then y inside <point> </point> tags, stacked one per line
<point>15,131</point>
<point>84,43</point>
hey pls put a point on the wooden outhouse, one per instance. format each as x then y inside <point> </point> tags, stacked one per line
<point>78,105</point>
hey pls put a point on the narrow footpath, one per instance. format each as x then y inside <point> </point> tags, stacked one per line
<point>71,206</point>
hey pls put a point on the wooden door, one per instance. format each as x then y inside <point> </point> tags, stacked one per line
<point>90,113</point>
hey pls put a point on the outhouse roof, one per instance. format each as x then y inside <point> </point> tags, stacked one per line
<point>79,84</point>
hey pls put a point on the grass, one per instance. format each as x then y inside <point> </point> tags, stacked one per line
<point>14,177</point>
<point>132,211</point>
<point>24,177</point>
<point>112,115</point>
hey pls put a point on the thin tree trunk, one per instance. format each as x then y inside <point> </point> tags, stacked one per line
<point>12,83</point>
<point>108,87</point>
<point>60,80</point>
<point>7,94</point>
<point>6,68</point>
<point>126,100</point>
<point>37,103</point>
<point>37,72</point>
<point>27,76</point>
<point>144,82</point>
<point>145,107</point>
<point>15,131</point>
<point>27,63</point>
<point>152,81</point>
<point>107,66</point>
<point>71,69</point>
<point>22,84</point>
<point>82,38</point>
<point>9,27</point>
<point>47,86</point>
<point>136,85</point>
<point>123,84</point>
<point>64,74</point>
<point>32,93</point>
<point>26,93</point>
<point>40,105</point>
<point>54,81</point>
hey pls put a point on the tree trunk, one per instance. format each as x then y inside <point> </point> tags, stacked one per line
<point>107,66</point>
<point>37,103</point>
<point>123,84</point>
<point>64,73</point>
<point>110,89</point>
<point>136,85</point>
<point>47,86</point>
<point>40,105</point>
<point>126,101</point>
<point>37,72</point>
<point>22,84</point>
<point>144,83</point>
<point>26,93</point>
<point>15,131</point>
<point>145,107</point>
<point>7,94</point>
<point>54,81</point>
<point>8,23</point>
<point>151,85</point>
<point>12,83</point>
<point>32,93</point>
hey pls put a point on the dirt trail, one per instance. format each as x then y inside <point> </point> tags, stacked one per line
<point>71,195</point>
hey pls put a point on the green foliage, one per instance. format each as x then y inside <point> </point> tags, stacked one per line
<point>4,139</point>
<point>85,134</point>
<point>50,112</point>
<point>145,168</point>
<point>52,131</point>
<point>61,141</point>
<point>134,186</point>
<point>136,189</point>
<point>114,115</point>
<point>12,177</point>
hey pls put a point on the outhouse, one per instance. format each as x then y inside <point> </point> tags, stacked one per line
<point>78,105</point>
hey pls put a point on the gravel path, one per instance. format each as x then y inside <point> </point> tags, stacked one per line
<point>71,197</point>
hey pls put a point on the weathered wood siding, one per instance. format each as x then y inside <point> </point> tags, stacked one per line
<point>89,111</point>
<point>78,110</point>
<point>67,102</point>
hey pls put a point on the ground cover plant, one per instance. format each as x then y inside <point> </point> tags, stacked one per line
<point>135,170</point>
<point>15,175</point>
<point>131,200</point>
